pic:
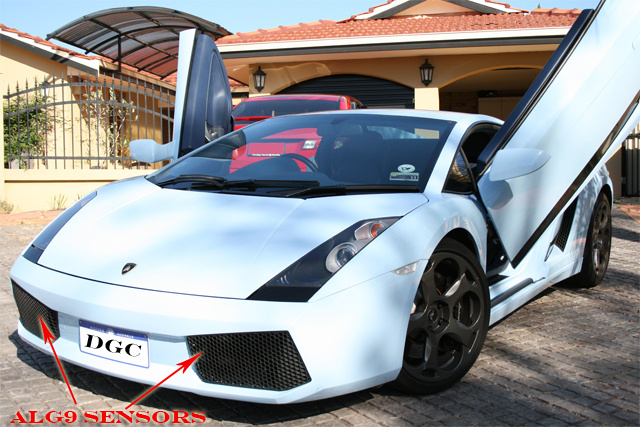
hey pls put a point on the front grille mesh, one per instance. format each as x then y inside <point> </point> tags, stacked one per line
<point>31,309</point>
<point>262,360</point>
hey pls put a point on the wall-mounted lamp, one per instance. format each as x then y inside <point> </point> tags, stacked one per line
<point>259,78</point>
<point>426,73</point>
<point>45,87</point>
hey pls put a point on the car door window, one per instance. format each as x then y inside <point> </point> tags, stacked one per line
<point>477,141</point>
<point>459,179</point>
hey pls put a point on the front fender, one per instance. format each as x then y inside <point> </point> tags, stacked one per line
<point>413,238</point>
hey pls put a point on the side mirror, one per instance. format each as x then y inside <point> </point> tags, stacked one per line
<point>149,151</point>
<point>515,162</point>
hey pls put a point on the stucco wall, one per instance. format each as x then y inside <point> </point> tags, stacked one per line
<point>32,190</point>
<point>404,70</point>
<point>19,65</point>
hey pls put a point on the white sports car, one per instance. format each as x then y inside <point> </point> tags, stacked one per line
<point>315,255</point>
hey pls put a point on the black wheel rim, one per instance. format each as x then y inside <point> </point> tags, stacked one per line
<point>601,238</point>
<point>447,321</point>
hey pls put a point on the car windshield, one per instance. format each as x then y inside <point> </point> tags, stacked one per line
<point>315,155</point>
<point>281,107</point>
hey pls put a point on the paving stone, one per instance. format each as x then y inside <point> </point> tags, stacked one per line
<point>551,422</point>
<point>396,422</point>
<point>569,357</point>
<point>417,419</point>
<point>630,417</point>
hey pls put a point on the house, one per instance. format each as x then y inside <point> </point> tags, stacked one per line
<point>476,56</point>
<point>484,54</point>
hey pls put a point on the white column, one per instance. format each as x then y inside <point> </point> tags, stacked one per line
<point>427,98</point>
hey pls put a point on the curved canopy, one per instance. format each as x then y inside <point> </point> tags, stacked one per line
<point>145,38</point>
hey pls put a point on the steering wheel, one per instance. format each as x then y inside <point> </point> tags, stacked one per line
<point>310,165</point>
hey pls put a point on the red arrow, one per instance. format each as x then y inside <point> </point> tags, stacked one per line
<point>183,365</point>
<point>48,338</point>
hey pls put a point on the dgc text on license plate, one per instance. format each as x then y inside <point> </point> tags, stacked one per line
<point>114,343</point>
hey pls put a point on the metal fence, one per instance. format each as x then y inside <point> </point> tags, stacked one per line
<point>83,122</point>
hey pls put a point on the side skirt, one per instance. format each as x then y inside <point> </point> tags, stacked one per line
<point>521,291</point>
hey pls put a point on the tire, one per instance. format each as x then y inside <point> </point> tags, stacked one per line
<point>448,323</point>
<point>597,247</point>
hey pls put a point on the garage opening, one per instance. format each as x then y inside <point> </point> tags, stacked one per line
<point>371,91</point>
<point>493,92</point>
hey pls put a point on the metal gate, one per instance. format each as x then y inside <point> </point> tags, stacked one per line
<point>80,122</point>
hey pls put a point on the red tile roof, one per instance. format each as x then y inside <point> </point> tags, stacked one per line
<point>507,5</point>
<point>44,42</point>
<point>557,12</point>
<point>352,27</point>
<point>499,3</point>
<point>419,24</point>
<point>372,9</point>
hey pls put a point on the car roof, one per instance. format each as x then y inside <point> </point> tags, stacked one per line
<point>321,97</point>
<point>462,118</point>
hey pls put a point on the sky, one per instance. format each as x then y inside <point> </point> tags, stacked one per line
<point>41,17</point>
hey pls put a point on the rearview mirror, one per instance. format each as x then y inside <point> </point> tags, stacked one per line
<point>149,151</point>
<point>514,162</point>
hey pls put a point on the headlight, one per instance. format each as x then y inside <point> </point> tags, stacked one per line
<point>303,278</point>
<point>340,255</point>
<point>35,250</point>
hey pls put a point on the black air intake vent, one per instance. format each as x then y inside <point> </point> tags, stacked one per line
<point>565,226</point>
<point>30,309</point>
<point>262,360</point>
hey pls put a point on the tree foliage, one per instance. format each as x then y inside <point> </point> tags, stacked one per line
<point>27,120</point>
<point>113,113</point>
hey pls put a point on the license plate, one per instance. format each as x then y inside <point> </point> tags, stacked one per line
<point>114,343</point>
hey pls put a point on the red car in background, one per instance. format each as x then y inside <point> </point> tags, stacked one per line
<point>252,110</point>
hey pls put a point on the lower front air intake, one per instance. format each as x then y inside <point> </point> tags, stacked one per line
<point>261,360</point>
<point>31,310</point>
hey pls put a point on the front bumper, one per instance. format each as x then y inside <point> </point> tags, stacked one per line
<point>348,341</point>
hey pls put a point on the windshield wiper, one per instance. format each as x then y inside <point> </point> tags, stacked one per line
<point>340,190</point>
<point>208,180</point>
<point>253,184</point>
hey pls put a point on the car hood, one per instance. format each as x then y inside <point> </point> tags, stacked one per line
<point>201,243</point>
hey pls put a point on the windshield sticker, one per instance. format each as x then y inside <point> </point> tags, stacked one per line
<point>399,176</point>
<point>406,168</point>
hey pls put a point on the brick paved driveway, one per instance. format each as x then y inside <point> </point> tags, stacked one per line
<point>568,357</point>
